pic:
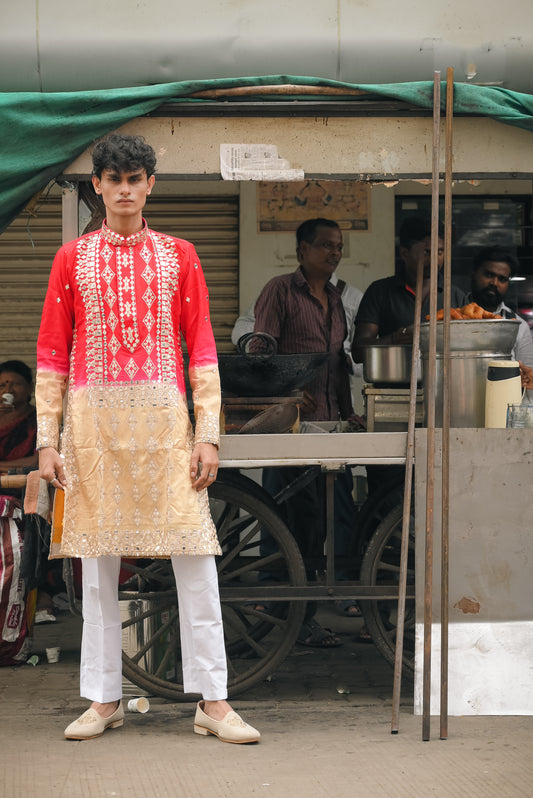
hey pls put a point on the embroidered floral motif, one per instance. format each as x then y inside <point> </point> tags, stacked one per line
<point>47,433</point>
<point>117,302</point>
<point>207,429</point>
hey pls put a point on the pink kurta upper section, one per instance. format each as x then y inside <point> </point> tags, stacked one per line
<point>115,307</point>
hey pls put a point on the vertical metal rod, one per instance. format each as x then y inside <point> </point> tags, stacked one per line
<point>69,205</point>
<point>406,519</point>
<point>446,409</point>
<point>430,410</point>
<point>330,527</point>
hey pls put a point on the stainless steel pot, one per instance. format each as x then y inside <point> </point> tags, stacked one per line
<point>388,364</point>
<point>469,335</point>
<point>473,344</point>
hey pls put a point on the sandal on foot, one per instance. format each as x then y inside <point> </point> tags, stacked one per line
<point>316,636</point>
<point>364,636</point>
<point>349,608</point>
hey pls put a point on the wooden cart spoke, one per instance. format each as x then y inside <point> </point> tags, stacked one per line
<point>252,566</point>
<point>381,566</point>
<point>263,615</point>
<point>394,567</point>
<point>242,545</point>
<point>170,650</point>
<point>152,610</point>
<point>232,624</point>
<point>154,638</point>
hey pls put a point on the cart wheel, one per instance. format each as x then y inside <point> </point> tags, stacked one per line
<point>381,566</point>
<point>256,642</point>
<point>374,510</point>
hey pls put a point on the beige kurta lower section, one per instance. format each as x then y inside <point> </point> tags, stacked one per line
<point>127,452</point>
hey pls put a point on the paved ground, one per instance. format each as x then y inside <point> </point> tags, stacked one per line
<point>325,719</point>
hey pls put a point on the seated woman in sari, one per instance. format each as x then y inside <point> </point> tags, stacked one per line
<point>18,432</point>
<point>18,424</point>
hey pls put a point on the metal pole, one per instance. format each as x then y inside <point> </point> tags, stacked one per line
<point>330,527</point>
<point>404,551</point>
<point>69,203</point>
<point>446,410</point>
<point>430,410</point>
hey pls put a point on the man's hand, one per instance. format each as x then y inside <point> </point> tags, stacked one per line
<point>204,465</point>
<point>526,374</point>
<point>51,467</point>
<point>403,336</point>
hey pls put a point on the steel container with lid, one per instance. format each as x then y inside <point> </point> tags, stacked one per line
<point>473,344</point>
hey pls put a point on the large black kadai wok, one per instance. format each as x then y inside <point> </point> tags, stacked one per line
<point>258,370</point>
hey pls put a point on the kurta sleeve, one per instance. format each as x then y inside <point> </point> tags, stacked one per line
<point>53,351</point>
<point>195,324</point>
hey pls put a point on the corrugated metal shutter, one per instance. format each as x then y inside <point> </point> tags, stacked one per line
<point>27,249</point>
<point>210,222</point>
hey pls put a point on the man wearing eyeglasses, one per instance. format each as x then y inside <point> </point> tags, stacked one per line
<point>304,312</point>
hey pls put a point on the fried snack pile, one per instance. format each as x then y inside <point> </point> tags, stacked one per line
<point>470,311</point>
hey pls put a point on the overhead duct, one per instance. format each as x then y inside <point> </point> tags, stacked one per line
<point>50,46</point>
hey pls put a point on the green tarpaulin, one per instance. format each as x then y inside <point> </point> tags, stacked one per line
<point>40,133</point>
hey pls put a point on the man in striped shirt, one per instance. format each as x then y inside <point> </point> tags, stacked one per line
<point>303,311</point>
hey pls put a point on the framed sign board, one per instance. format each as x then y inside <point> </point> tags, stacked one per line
<point>284,206</point>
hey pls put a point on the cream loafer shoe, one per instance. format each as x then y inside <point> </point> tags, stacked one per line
<point>231,729</point>
<point>91,724</point>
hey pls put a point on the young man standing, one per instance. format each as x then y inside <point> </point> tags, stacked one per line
<point>134,474</point>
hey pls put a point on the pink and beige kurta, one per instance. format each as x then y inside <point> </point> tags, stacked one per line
<point>111,331</point>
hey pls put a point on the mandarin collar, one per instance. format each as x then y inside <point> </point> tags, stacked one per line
<point>124,241</point>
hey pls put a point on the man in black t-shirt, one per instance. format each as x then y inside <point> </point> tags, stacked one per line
<point>387,308</point>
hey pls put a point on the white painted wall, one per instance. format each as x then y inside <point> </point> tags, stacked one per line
<point>355,147</point>
<point>368,255</point>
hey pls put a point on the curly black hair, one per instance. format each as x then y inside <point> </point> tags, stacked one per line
<point>123,154</point>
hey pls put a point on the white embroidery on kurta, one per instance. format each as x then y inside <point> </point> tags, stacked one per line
<point>141,512</point>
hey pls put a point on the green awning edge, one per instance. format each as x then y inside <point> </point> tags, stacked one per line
<point>42,133</point>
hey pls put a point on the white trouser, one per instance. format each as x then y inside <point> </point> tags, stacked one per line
<point>201,631</point>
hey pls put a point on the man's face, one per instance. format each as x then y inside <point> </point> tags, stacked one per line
<point>490,282</point>
<point>420,250</point>
<point>124,193</point>
<point>322,257</point>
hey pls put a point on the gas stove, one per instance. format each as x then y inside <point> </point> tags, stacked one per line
<point>387,408</point>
